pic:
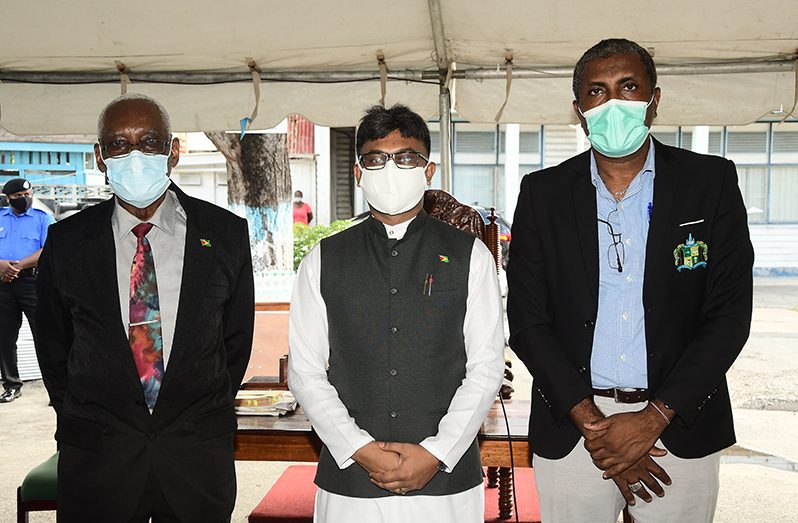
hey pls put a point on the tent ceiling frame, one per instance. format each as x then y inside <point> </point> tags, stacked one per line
<point>776,65</point>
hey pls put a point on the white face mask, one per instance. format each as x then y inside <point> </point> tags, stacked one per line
<point>392,190</point>
<point>138,178</point>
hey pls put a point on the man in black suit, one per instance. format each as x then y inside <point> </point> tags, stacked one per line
<point>146,307</point>
<point>630,297</point>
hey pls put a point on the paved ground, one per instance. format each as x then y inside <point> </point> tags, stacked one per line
<point>759,476</point>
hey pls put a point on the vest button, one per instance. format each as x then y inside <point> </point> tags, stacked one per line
<point>589,324</point>
<point>393,330</point>
<point>394,414</point>
<point>394,291</point>
<point>394,372</point>
<point>394,253</point>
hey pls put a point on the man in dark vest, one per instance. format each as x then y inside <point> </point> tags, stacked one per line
<point>396,344</point>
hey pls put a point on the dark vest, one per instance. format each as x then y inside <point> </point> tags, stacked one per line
<point>397,354</point>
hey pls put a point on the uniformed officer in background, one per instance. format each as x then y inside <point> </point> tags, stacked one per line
<point>23,230</point>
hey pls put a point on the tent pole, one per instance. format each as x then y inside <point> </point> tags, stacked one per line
<point>445,122</point>
<point>780,65</point>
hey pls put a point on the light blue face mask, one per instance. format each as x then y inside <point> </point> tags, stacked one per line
<point>617,128</point>
<point>138,178</point>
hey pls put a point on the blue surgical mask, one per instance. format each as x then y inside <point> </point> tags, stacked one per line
<point>137,178</point>
<point>617,128</point>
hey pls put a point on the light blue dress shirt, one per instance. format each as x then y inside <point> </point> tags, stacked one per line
<point>22,235</point>
<point>619,341</point>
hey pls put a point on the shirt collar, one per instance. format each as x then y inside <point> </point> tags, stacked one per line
<point>10,211</point>
<point>398,231</point>
<point>647,167</point>
<point>164,217</point>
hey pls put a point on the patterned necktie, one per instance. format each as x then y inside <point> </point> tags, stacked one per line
<point>144,332</point>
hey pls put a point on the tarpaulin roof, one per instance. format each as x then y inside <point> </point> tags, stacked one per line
<point>60,61</point>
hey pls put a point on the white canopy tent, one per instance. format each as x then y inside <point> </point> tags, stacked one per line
<point>720,61</point>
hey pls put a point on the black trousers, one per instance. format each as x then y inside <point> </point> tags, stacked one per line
<point>16,298</point>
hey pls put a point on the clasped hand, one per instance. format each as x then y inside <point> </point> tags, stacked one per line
<point>8,270</point>
<point>617,442</point>
<point>400,467</point>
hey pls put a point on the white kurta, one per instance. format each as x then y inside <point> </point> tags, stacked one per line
<point>307,376</point>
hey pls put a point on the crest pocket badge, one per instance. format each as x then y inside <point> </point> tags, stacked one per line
<point>691,254</point>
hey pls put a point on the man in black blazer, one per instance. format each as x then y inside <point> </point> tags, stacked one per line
<point>630,295</point>
<point>145,430</point>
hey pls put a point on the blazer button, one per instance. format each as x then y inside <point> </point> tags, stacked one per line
<point>394,414</point>
<point>394,372</point>
<point>589,324</point>
<point>394,291</point>
<point>394,253</point>
<point>393,330</point>
<point>582,370</point>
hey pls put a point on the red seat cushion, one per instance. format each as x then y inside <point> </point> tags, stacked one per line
<point>291,498</point>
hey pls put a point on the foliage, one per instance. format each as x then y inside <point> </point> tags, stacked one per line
<point>306,237</point>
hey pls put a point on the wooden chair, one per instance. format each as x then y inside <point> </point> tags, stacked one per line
<point>39,489</point>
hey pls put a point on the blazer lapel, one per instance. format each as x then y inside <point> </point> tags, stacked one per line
<point>666,184</point>
<point>584,199</point>
<point>103,259</point>
<point>197,263</point>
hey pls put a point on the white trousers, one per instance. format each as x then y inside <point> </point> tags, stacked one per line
<point>463,507</point>
<point>571,489</point>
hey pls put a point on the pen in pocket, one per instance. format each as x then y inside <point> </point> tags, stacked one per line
<point>428,280</point>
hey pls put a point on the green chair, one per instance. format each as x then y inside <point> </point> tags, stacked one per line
<point>38,490</point>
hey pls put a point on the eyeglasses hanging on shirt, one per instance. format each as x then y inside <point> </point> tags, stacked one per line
<point>615,254</point>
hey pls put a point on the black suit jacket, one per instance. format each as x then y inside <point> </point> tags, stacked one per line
<point>696,321</point>
<point>107,436</point>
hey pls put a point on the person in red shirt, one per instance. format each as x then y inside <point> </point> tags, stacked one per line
<point>302,211</point>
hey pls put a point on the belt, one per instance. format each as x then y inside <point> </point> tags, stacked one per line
<point>623,395</point>
<point>31,271</point>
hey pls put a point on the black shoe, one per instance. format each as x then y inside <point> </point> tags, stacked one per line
<point>10,395</point>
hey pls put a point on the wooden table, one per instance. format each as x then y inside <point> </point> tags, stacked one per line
<point>291,438</point>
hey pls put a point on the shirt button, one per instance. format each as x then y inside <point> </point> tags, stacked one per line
<point>623,357</point>
<point>628,241</point>
<point>394,414</point>
<point>589,324</point>
<point>394,372</point>
<point>393,330</point>
<point>628,278</point>
<point>394,253</point>
<point>625,316</point>
<point>394,291</point>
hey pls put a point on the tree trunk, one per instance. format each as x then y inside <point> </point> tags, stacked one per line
<point>259,189</point>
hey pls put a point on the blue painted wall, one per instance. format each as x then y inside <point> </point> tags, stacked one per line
<point>45,163</point>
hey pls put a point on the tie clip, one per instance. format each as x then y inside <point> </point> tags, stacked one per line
<point>142,323</point>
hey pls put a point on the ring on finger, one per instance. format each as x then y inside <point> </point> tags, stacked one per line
<point>634,487</point>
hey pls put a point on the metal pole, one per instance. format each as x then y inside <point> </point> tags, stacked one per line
<point>445,122</point>
<point>784,64</point>
<point>438,37</point>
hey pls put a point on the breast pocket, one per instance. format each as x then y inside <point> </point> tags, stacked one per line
<point>31,240</point>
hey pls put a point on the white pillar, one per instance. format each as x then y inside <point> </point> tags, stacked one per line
<point>321,148</point>
<point>700,139</point>
<point>512,146</point>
